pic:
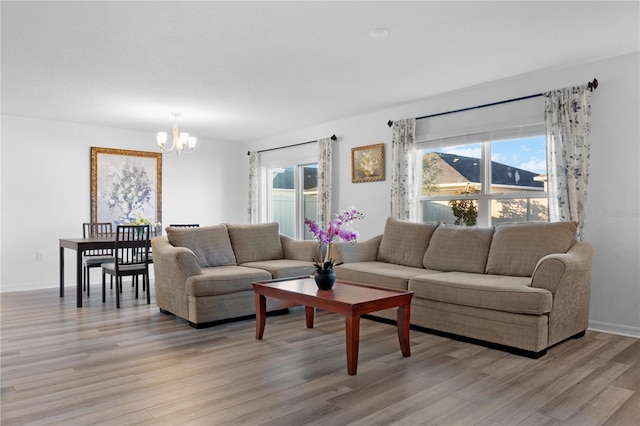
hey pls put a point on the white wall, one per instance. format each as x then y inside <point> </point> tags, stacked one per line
<point>46,190</point>
<point>613,212</point>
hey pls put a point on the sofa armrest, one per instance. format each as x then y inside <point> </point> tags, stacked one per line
<point>177,263</point>
<point>171,268</point>
<point>300,250</point>
<point>561,269</point>
<point>568,277</point>
<point>361,251</point>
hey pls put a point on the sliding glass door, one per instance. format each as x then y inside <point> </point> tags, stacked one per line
<point>293,196</point>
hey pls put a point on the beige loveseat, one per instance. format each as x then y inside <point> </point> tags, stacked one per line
<point>204,274</point>
<point>521,286</point>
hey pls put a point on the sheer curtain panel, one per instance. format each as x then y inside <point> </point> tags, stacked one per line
<point>568,125</point>
<point>254,171</point>
<point>325,148</point>
<point>403,158</point>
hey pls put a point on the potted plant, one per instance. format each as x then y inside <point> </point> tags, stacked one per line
<point>325,276</point>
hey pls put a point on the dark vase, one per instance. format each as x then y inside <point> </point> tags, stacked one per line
<point>325,279</point>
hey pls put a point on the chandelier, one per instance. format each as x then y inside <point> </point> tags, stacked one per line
<point>182,142</point>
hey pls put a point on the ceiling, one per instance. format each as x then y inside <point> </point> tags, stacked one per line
<point>239,71</point>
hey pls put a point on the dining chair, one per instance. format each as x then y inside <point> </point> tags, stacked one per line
<point>154,231</point>
<point>96,257</point>
<point>131,258</point>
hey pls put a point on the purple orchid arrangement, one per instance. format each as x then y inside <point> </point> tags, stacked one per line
<point>337,228</point>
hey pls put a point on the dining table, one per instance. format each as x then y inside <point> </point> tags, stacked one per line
<point>80,245</point>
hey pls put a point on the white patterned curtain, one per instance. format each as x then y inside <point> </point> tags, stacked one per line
<point>568,123</point>
<point>254,163</point>
<point>403,168</point>
<point>325,148</point>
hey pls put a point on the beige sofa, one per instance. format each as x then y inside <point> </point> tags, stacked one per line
<point>204,274</point>
<point>522,287</point>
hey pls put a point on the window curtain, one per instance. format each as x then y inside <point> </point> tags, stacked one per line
<point>254,162</point>
<point>403,148</point>
<point>325,148</point>
<point>568,125</point>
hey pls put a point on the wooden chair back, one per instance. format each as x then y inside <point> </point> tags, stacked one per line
<point>132,248</point>
<point>97,230</point>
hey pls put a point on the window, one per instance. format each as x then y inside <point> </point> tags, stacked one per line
<point>293,196</point>
<point>489,178</point>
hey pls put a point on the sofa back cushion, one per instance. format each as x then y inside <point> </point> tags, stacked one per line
<point>210,244</point>
<point>517,247</point>
<point>458,248</point>
<point>404,243</point>
<point>255,243</point>
<point>361,251</point>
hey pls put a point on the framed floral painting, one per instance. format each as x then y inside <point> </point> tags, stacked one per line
<point>367,163</point>
<point>125,185</point>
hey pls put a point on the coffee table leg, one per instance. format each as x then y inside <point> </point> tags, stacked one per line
<point>261,315</point>
<point>309,312</point>
<point>404,315</point>
<point>352,331</point>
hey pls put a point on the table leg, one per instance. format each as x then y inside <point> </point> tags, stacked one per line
<point>61,271</point>
<point>79,278</point>
<point>352,331</point>
<point>404,315</point>
<point>261,315</point>
<point>309,312</point>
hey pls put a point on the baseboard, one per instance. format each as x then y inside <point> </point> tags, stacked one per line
<point>6,288</point>
<point>69,285</point>
<point>621,330</point>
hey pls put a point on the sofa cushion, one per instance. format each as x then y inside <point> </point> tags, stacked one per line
<point>284,268</point>
<point>516,248</point>
<point>404,243</point>
<point>224,280</point>
<point>380,274</point>
<point>458,248</point>
<point>254,243</point>
<point>495,292</point>
<point>299,249</point>
<point>210,244</point>
<point>361,251</point>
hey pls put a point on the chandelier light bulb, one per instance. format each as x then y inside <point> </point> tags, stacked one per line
<point>162,139</point>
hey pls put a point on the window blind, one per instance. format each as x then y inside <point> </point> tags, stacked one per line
<point>512,120</point>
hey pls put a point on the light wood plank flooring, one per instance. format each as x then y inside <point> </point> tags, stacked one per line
<point>99,365</point>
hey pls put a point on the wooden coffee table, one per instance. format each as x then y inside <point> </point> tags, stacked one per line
<point>350,299</point>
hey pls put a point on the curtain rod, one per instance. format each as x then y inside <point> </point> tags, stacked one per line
<point>333,138</point>
<point>592,85</point>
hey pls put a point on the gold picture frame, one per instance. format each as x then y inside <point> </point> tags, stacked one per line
<point>125,184</point>
<point>367,163</point>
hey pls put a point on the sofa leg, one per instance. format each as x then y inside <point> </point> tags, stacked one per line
<point>162,311</point>
<point>201,325</point>
<point>531,354</point>
<point>579,335</point>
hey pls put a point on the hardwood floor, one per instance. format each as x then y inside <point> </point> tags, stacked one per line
<point>98,365</point>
